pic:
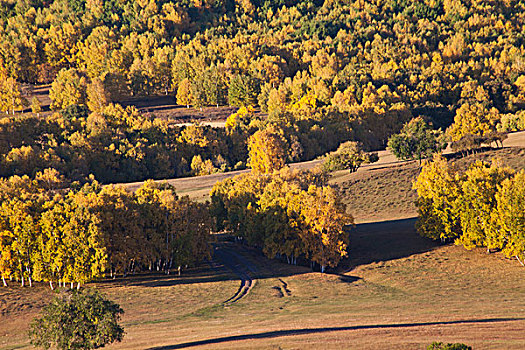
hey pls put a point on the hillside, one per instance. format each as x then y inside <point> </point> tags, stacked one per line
<point>396,289</point>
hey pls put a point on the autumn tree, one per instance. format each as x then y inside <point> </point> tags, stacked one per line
<point>97,96</point>
<point>267,150</point>
<point>476,205</point>
<point>510,217</point>
<point>10,96</point>
<point>437,189</point>
<point>184,93</point>
<point>69,88</point>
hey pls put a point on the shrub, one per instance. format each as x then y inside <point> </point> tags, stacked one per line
<point>442,346</point>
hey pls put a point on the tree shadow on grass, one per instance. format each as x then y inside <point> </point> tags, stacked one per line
<point>383,241</point>
<point>200,274</point>
<point>302,331</point>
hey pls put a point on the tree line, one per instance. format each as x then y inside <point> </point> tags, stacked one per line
<point>120,144</point>
<point>483,206</point>
<point>58,232</point>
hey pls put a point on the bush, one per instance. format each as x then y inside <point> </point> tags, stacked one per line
<point>81,319</point>
<point>442,346</point>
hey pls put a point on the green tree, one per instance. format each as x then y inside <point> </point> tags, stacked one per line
<point>243,91</point>
<point>82,319</point>
<point>349,155</point>
<point>416,140</point>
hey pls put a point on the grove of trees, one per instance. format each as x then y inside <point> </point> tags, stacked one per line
<point>287,213</point>
<point>57,232</point>
<point>481,207</point>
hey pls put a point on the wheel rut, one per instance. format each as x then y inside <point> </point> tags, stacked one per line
<point>240,266</point>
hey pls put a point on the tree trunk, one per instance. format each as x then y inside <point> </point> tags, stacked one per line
<point>521,262</point>
<point>51,285</point>
<point>78,285</point>
<point>179,270</point>
<point>3,280</point>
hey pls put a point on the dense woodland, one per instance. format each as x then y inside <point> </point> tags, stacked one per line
<point>325,72</point>
<point>76,234</point>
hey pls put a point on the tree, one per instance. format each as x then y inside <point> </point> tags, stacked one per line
<point>349,155</point>
<point>184,95</point>
<point>474,119</point>
<point>69,88</point>
<point>243,91</point>
<point>97,97</point>
<point>267,150</point>
<point>476,204</point>
<point>36,108</point>
<point>82,319</point>
<point>10,96</point>
<point>511,216</point>
<point>416,140</point>
<point>437,189</point>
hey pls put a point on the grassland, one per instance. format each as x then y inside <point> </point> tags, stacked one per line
<point>395,291</point>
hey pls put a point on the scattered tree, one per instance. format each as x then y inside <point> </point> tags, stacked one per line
<point>82,319</point>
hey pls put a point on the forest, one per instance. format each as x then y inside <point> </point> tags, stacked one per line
<point>309,78</point>
<point>321,72</point>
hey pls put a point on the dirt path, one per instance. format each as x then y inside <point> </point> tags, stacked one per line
<point>225,254</point>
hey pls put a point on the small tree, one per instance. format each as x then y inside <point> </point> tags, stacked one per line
<point>449,346</point>
<point>81,319</point>
<point>349,155</point>
<point>416,141</point>
<point>36,108</point>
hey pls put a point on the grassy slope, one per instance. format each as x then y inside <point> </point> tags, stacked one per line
<point>393,277</point>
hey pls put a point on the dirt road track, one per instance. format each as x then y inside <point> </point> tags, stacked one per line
<point>225,254</point>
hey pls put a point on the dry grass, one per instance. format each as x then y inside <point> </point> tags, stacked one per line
<point>384,192</point>
<point>397,291</point>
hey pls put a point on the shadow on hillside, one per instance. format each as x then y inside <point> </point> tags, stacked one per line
<point>302,331</point>
<point>382,241</point>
